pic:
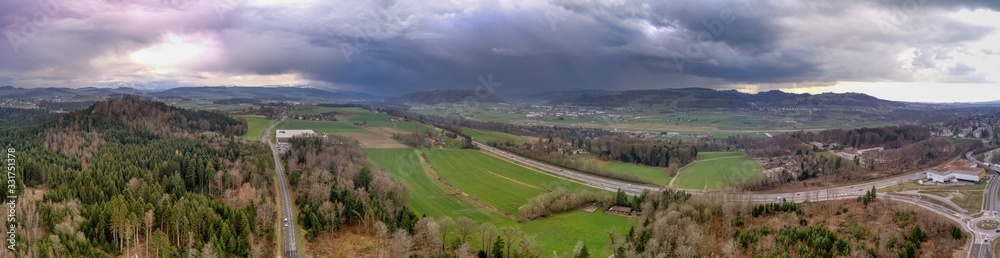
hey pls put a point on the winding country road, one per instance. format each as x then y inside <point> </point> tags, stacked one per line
<point>288,229</point>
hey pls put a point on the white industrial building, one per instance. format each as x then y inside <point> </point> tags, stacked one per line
<point>284,135</point>
<point>962,170</point>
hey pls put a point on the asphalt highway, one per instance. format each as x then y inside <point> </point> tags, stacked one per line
<point>288,222</point>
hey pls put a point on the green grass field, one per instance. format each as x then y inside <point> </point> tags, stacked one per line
<point>488,136</point>
<point>354,114</point>
<point>560,232</point>
<point>493,181</point>
<point>714,170</point>
<point>658,176</point>
<point>428,197</point>
<point>432,198</point>
<point>255,127</point>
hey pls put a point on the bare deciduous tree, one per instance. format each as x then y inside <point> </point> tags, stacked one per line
<point>401,243</point>
<point>464,227</point>
<point>511,235</point>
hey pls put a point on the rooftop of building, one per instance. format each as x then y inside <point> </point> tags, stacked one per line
<point>961,166</point>
<point>291,133</point>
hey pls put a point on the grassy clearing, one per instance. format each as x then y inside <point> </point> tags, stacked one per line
<point>967,196</point>
<point>352,115</point>
<point>714,169</point>
<point>561,232</point>
<point>971,201</point>
<point>913,186</point>
<point>488,136</point>
<point>658,176</point>
<point>255,127</point>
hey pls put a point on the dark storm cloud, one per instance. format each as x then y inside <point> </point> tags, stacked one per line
<point>395,47</point>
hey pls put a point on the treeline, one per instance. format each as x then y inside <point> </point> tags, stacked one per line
<point>788,158</point>
<point>141,192</point>
<point>640,151</point>
<point>922,154</point>
<point>336,186</point>
<point>271,112</point>
<point>561,200</point>
<point>236,101</point>
<point>674,223</point>
<point>67,106</point>
<point>462,237</point>
<point>891,137</point>
<point>415,140</point>
<point>560,153</point>
<point>13,115</point>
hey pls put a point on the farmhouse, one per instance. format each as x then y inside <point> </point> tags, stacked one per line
<point>620,210</point>
<point>962,170</point>
<point>284,135</point>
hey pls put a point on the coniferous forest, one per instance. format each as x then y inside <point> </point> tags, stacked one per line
<point>129,176</point>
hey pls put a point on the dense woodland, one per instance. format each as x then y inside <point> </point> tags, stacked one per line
<point>675,224</point>
<point>891,137</point>
<point>13,115</point>
<point>129,176</point>
<point>790,159</point>
<point>337,186</point>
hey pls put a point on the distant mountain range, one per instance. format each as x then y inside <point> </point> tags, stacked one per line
<point>709,98</point>
<point>681,98</point>
<point>208,93</point>
<point>51,93</point>
<point>448,96</point>
<point>264,93</point>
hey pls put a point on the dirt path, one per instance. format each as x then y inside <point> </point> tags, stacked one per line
<point>376,140</point>
<point>946,201</point>
<point>681,170</point>
<point>519,182</point>
<point>703,160</point>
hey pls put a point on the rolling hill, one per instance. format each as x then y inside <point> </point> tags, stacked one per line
<point>448,96</point>
<point>696,98</point>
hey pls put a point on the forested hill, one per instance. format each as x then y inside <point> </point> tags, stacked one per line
<point>129,176</point>
<point>163,120</point>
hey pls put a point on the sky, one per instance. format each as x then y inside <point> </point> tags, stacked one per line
<point>909,50</point>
